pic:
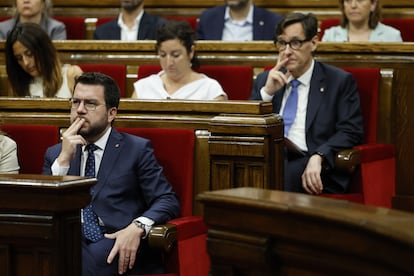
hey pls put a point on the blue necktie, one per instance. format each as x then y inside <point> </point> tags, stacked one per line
<point>291,105</point>
<point>91,229</point>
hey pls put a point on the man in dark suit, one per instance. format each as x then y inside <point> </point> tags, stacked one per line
<point>131,194</point>
<point>133,23</point>
<point>238,20</point>
<point>327,117</point>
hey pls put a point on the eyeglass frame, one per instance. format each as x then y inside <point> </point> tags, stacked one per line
<point>283,47</point>
<point>90,105</point>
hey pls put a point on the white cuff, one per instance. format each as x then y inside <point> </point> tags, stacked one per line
<point>265,97</point>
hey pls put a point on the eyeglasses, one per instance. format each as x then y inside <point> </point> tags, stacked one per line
<point>295,44</point>
<point>90,105</point>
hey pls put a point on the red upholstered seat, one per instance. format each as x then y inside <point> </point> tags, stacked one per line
<point>32,142</point>
<point>75,26</point>
<point>236,80</point>
<point>174,150</point>
<point>326,24</point>
<point>116,71</point>
<point>103,20</point>
<point>404,25</point>
<point>373,181</point>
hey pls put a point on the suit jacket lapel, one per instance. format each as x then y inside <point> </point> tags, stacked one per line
<point>74,168</point>
<point>316,92</point>
<point>110,156</point>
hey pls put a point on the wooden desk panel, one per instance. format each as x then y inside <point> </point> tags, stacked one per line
<point>280,233</point>
<point>40,231</point>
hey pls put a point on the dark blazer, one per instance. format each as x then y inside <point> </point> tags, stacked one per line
<point>333,120</point>
<point>147,28</point>
<point>211,24</point>
<point>130,182</point>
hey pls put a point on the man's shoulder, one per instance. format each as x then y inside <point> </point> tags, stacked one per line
<point>214,11</point>
<point>154,19</point>
<point>262,12</point>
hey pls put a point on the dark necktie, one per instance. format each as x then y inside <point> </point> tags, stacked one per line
<point>91,229</point>
<point>291,105</point>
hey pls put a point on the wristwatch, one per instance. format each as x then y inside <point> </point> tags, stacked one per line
<point>320,154</point>
<point>142,226</point>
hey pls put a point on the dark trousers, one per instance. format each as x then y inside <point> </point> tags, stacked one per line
<point>94,256</point>
<point>294,168</point>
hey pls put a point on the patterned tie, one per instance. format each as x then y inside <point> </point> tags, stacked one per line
<point>291,105</point>
<point>91,229</point>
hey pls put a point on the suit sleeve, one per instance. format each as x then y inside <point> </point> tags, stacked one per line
<point>257,86</point>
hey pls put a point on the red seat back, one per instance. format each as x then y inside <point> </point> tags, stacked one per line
<point>368,85</point>
<point>326,24</point>
<point>75,26</point>
<point>103,20</point>
<point>174,150</point>
<point>32,142</point>
<point>236,80</point>
<point>116,71</point>
<point>405,25</point>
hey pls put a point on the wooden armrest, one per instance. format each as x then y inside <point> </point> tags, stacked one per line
<point>347,160</point>
<point>163,236</point>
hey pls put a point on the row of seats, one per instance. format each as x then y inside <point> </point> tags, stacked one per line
<point>235,80</point>
<point>76,26</point>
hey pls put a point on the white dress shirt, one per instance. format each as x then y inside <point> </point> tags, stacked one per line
<point>129,34</point>
<point>238,30</point>
<point>297,131</point>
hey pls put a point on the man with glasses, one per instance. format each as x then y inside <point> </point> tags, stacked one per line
<point>319,104</point>
<point>131,194</point>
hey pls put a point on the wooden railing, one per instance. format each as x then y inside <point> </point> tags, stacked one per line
<point>280,233</point>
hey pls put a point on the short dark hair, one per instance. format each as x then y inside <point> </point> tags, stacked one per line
<point>111,89</point>
<point>181,30</point>
<point>309,23</point>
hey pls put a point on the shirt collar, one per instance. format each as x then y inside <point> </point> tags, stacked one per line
<point>306,77</point>
<point>137,20</point>
<point>248,19</point>
<point>101,143</point>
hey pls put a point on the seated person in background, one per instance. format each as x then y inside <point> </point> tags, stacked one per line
<point>131,194</point>
<point>238,20</point>
<point>319,104</point>
<point>33,66</point>
<point>177,80</point>
<point>35,11</point>
<point>8,155</point>
<point>360,22</point>
<point>133,23</point>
